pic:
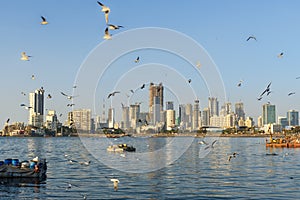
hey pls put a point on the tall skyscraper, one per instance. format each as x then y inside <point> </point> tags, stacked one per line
<point>134,114</point>
<point>196,116</point>
<point>205,117</point>
<point>268,114</point>
<point>227,108</point>
<point>181,114</point>
<point>36,113</point>
<point>111,118</point>
<point>239,111</point>
<point>170,119</point>
<point>189,116</point>
<point>292,118</point>
<point>213,106</point>
<point>125,117</point>
<point>155,91</point>
<point>156,110</point>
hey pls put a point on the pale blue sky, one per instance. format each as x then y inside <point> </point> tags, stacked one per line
<point>76,27</point>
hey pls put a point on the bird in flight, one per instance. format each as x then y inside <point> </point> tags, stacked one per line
<point>105,9</point>
<point>26,107</point>
<point>143,86</point>
<point>137,59</point>
<point>190,80</point>
<point>198,64</point>
<point>49,96</point>
<point>291,93</point>
<point>32,77</point>
<point>107,35</point>
<point>112,94</point>
<point>266,90</point>
<point>240,83</point>
<point>211,145</point>
<point>44,21</point>
<point>280,55</point>
<point>116,182</point>
<point>251,37</point>
<point>68,96</point>
<point>232,156</point>
<point>24,57</point>
<point>114,27</point>
<point>70,104</point>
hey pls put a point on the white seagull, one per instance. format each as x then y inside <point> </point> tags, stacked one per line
<point>68,96</point>
<point>116,182</point>
<point>114,27</point>
<point>107,36</point>
<point>44,21</point>
<point>137,59</point>
<point>105,9</point>
<point>24,57</point>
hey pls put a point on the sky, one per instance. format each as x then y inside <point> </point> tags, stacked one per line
<point>73,39</point>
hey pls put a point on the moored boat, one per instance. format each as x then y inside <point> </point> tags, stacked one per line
<point>283,142</point>
<point>12,168</point>
<point>120,148</point>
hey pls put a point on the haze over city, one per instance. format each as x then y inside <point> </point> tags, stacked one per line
<point>75,29</point>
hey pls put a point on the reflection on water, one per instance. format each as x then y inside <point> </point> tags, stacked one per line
<point>251,174</point>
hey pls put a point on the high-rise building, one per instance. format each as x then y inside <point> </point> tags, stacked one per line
<point>36,112</point>
<point>111,118</point>
<point>155,91</point>
<point>292,118</point>
<point>170,119</point>
<point>82,120</point>
<point>169,105</point>
<point>181,114</point>
<point>125,117</point>
<point>227,108</point>
<point>188,116</point>
<point>213,106</point>
<point>134,114</point>
<point>239,111</point>
<point>249,122</point>
<point>196,116</point>
<point>268,114</point>
<point>51,120</point>
<point>156,110</point>
<point>205,117</point>
<point>283,121</point>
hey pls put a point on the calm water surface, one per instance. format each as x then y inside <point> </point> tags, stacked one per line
<point>251,175</point>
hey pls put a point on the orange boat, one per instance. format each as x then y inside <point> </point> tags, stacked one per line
<point>283,142</point>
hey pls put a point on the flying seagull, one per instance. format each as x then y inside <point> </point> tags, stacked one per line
<point>114,27</point>
<point>251,37</point>
<point>23,93</point>
<point>190,80</point>
<point>70,104</point>
<point>232,156</point>
<point>132,91</point>
<point>7,120</point>
<point>116,182</point>
<point>198,64</point>
<point>105,9</point>
<point>49,96</point>
<point>112,94</point>
<point>137,59</point>
<point>143,86</point>
<point>32,77</point>
<point>26,107</point>
<point>280,55</point>
<point>266,90</point>
<point>24,57</point>
<point>240,83</point>
<point>68,96</point>
<point>291,93</point>
<point>107,35</point>
<point>211,145</point>
<point>44,21</point>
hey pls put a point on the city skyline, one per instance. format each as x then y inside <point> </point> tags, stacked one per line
<point>59,48</point>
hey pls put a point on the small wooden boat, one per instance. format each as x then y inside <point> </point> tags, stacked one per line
<point>12,168</point>
<point>283,143</point>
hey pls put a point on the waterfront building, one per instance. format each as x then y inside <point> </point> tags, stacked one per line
<point>156,110</point>
<point>181,115</point>
<point>228,108</point>
<point>218,121</point>
<point>125,117</point>
<point>134,115</point>
<point>213,106</point>
<point>292,118</point>
<point>249,122</point>
<point>36,112</point>
<point>205,117</point>
<point>155,91</point>
<point>259,121</point>
<point>82,120</point>
<point>239,110</point>
<point>196,116</point>
<point>188,116</point>
<point>170,115</point>
<point>283,122</point>
<point>51,120</point>
<point>230,120</point>
<point>111,118</point>
<point>268,114</point>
